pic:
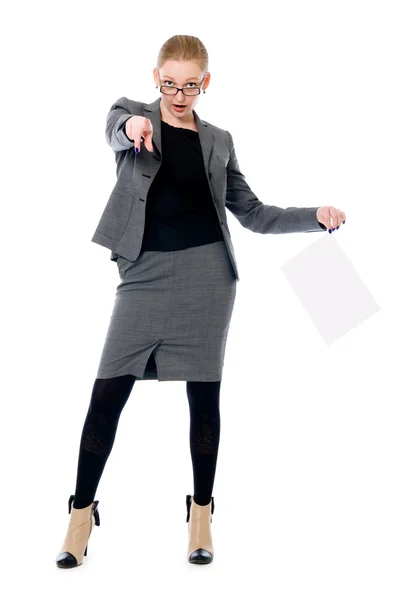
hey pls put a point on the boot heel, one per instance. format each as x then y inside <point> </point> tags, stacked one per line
<point>80,527</point>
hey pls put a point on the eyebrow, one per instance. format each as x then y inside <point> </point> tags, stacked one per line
<point>172,78</point>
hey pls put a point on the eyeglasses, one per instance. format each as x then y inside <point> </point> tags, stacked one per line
<point>172,90</point>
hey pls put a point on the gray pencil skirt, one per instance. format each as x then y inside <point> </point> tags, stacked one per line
<point>171,315</point>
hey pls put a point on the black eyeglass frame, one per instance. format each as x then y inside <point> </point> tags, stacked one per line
<point>170,87</point>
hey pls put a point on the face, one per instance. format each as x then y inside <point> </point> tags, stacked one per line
<point>183,74</point>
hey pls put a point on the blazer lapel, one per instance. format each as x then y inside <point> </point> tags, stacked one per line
<point>205,133</point>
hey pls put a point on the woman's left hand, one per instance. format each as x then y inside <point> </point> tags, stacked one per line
<point>331,217</point>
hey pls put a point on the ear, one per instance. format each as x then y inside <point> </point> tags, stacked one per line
<point>156,76</point>
<point>206,81</point>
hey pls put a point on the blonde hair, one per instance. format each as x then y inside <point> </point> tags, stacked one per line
<point>184,47</point>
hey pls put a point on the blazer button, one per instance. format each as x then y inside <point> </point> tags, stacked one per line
<point>221,222</point>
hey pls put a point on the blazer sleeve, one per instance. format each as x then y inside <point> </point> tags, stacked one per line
<point>259,217</point>
<point>116,136</point>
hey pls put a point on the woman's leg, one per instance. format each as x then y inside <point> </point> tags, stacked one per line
<point>108,400</point>
<point>204,435</point>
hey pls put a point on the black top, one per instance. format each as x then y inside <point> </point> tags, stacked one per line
<point>180,212</point>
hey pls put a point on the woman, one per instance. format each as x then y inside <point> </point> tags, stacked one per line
<point>178,276</point>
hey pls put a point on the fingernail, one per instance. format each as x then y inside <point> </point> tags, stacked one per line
<point>338,227</point>
<point>329,230</point>
<point>136,150</point>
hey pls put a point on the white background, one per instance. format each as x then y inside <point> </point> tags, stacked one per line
<point>307,489</point>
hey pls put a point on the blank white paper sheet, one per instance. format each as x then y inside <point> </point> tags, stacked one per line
<point>329,288</point>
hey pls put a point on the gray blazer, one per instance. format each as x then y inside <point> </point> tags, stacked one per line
<point>122,223</point>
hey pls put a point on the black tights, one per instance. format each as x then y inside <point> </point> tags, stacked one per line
<point>109,397</point>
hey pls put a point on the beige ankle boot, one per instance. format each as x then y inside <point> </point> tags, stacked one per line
<point>75,545</point>
<point>200,544</point>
